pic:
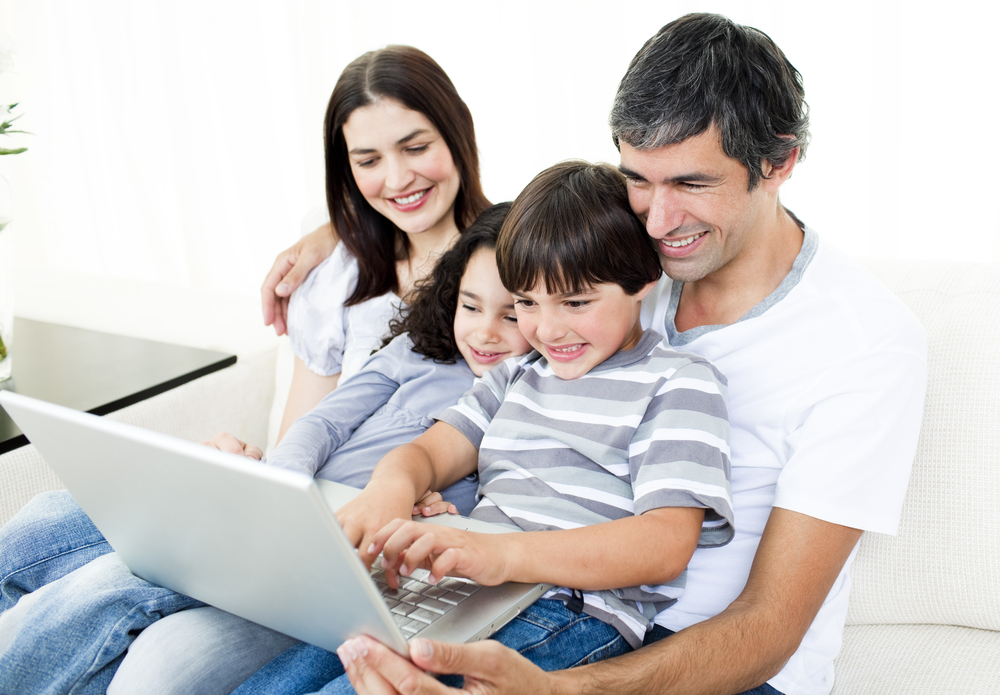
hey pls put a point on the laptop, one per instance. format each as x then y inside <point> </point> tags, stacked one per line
<point>259,542</point>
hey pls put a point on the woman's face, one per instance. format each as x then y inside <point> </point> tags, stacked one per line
<point>403,167</point>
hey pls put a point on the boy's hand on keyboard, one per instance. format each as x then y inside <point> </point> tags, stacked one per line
<point>407,546</point>
<point>369,512</point>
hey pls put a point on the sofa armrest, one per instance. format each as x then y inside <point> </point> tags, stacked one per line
<point>236,399</point>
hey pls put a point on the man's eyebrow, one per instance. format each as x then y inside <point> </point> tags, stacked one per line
<point>402,141</point>
<point>693,177</point>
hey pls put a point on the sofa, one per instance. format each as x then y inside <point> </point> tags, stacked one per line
<point>924,611</point>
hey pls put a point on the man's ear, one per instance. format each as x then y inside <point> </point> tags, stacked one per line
<point>777,175</point>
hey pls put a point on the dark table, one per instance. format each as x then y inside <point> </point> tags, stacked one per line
<point>96,372</point>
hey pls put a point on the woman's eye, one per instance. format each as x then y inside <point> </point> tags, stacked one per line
<point>418,149</point>
<point>365,163</point>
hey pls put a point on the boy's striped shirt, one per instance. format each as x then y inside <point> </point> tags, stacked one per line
<point>647,428</point>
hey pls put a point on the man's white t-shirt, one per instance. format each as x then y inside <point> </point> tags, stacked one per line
<point>826,385</point>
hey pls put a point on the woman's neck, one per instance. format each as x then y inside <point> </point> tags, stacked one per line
<point>424,250</point>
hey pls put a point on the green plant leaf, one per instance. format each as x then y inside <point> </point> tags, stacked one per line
<point>16,150</point>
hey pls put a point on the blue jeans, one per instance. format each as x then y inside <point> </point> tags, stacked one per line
<point>46,540</point>
<point>77,631</point>
<point>549,634</point>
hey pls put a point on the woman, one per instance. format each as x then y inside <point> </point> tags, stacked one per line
<point>402,183</point>
<point>402,180</point>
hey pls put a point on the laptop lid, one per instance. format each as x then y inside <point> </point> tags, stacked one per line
<point>259,542</point>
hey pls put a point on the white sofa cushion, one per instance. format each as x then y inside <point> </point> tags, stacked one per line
<point>944,566</point>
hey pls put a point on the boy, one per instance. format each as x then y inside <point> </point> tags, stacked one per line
<point>609,447</point>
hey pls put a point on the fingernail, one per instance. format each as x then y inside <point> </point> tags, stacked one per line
<point>403,570</point>
<point>371,549</point>
<point>384,563</point>
<point>427,510</point>
<point>283,288</point>
<point>422,648</point>
<point>346,652</point>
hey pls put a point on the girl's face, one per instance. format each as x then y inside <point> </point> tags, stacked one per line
<point>485,326</point>
<point>403,167</point>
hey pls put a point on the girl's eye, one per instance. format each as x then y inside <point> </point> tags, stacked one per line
<point>512,319</point>
<point>468,307</point>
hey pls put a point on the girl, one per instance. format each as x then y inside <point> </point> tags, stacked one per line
<point>461,323</point>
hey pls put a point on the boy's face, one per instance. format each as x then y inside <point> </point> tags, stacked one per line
<point>575,332</point>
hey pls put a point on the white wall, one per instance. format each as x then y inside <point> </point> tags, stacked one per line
<point>177,145</point>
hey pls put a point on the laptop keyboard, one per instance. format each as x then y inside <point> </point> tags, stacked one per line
<point>416,604</point>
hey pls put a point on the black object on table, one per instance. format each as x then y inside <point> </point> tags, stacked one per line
<point>95,372</point>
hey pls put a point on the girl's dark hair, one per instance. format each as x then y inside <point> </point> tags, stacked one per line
<point>412,78</point>
<point>430,318</point>
<point>572,228</point>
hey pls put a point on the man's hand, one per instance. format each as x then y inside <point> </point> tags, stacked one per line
<point>432,504</point>
<point>224,441</point>
<point>489,668</point>
<point>407,545</point>
<point>289,270</point>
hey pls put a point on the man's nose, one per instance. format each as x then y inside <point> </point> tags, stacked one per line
<point>664,215</point>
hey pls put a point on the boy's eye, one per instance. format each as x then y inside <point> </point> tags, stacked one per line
<point>577,303</point>
<point>524,303</point>
<point>512,319</point>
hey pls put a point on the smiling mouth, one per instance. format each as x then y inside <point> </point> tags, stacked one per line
<point>485,355</point>
<point>681,243</point>
<point>410,198</point>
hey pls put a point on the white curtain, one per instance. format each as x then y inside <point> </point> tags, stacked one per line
<point>176,145</point>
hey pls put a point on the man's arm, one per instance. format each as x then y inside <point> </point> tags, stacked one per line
<point>289,270</point>
<point>796,564</point>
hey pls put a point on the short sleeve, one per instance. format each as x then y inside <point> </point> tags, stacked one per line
<point>317,318</point>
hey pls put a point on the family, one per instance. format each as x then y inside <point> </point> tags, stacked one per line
<point>689,405</point>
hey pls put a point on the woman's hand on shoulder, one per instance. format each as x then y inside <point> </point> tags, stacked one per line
<point>224,441</point>
<point>289,270</point>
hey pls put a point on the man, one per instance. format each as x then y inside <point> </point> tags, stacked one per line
<point>826,375</point>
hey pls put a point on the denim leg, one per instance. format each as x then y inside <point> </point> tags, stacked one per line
<point>73,638</point>
<point>46,540</point>
<point>301,669</point>
<point>553,637</point>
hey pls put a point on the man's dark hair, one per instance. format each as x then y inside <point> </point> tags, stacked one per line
<point>703,69</point>
<point>572,228</point>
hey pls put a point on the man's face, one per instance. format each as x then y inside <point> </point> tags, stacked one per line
<point>694,202</point>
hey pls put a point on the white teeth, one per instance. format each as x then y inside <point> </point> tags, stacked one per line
<point>570,348</point>
<point>683,242</point>
<point>410,198</point>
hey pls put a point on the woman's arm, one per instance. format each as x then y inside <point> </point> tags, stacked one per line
<point>290,269</point>
<point>308,389</point>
